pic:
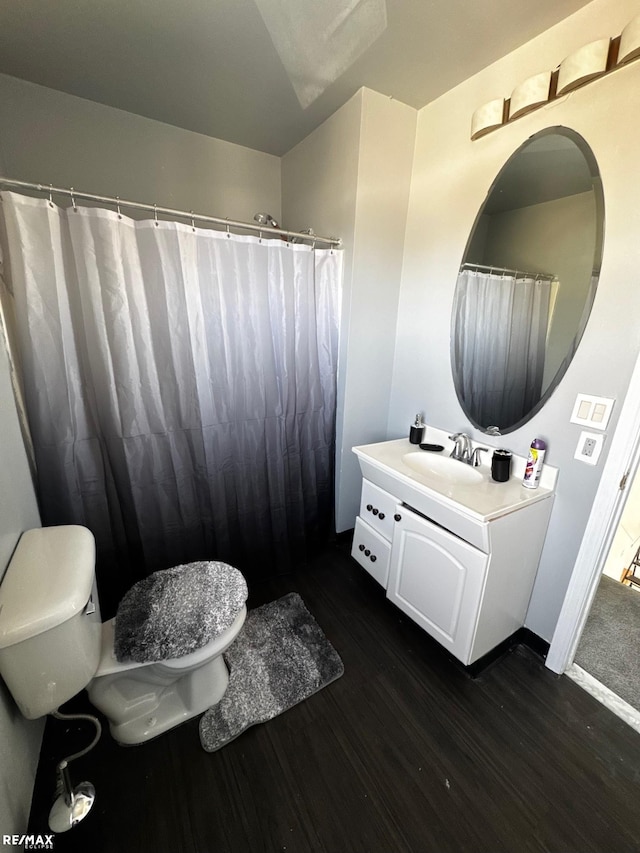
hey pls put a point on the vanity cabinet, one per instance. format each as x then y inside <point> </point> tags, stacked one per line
<point>437,579</point>
<point>459,559</point>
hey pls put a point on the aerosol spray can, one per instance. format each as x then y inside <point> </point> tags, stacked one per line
<point>533,468</point>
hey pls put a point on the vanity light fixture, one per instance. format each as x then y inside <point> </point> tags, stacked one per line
<point>583,65</point>
<point>630,42</point>
<point>533,93</point>
<point>487,118</point>
<point>588,63</point>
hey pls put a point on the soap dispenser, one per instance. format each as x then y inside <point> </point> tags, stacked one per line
<point>416,431</point>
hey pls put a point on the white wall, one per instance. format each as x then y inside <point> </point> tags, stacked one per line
<point>351,177</point>
<point>53,138</point>
<point>450,180</point>
<point>19,738</point>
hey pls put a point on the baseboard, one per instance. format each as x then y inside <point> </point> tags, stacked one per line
<point>535,643</point>
<point>521,637</point>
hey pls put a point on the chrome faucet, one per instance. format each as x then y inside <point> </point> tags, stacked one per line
<point>475,460</point>
<point>464,451</point>
<point>462,447</point>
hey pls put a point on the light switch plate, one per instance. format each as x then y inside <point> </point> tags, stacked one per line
<point>592,411</point>
<point>589,447</point>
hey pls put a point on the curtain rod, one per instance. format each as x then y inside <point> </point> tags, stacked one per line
<point>168,211</point>
<point>477,267</point>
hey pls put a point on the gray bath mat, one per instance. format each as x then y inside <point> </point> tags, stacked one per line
<point>280,657</point>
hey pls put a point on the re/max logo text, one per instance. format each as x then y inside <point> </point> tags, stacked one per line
<point>29,842</point>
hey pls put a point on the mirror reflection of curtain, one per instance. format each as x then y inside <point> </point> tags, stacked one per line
<point>499,344</point>
<point>180,386</point>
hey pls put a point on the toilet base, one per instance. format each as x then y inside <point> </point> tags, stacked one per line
<point>138,712</point>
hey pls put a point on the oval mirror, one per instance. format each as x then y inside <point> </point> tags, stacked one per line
<point>527,280</point>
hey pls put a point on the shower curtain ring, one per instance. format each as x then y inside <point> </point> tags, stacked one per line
<point>50,198</point>
<point>73,200</point>
<point>228,235</point>
<point>155,214</point>
<point>193,222</point>
<point>118,206</point>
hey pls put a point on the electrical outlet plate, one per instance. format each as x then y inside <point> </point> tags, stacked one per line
<point>592,411</point>
<point>589,447</point>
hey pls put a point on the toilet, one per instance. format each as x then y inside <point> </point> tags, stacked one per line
<point>53,644</point>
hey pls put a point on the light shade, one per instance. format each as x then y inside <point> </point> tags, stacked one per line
<point>586,63</point>
<point>487,118</point>
<point>531,94</point>
<point>630,42</point>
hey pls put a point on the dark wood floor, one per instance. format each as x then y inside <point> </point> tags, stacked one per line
<point>404,754</point>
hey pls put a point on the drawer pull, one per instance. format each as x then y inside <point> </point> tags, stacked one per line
<point>369,507</point>
<point>381,516</point>
<point>374,510</point>
<point>373,558</point>
<point>397,517</point>
<point>366,552</point>
<point>361,547</point>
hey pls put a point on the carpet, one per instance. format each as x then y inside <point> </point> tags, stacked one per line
<point>608,647</point>
<point>280,657</point>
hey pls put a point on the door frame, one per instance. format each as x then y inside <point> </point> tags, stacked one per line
<point>623,460</point>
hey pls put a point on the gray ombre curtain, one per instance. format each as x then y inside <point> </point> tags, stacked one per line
<point>499,344</point>
<point>180,385</point>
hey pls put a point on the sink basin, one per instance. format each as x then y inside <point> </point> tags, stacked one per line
<point>442,467</point>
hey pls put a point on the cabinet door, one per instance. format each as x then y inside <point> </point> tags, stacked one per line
<point>437,580</point>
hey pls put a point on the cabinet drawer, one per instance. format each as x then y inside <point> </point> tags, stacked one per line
<point>377,508</point>
<point>372,551</point>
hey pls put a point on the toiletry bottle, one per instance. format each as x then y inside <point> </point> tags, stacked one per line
<point>416,432</point>
<point>533,468</point>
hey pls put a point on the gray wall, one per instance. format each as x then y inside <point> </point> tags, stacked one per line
<point>351,177</point>
<point>52,138</point>
<point>451,178</point>
<point>19,738</point>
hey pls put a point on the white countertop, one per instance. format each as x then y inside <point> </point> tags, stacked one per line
<point>483,500</point>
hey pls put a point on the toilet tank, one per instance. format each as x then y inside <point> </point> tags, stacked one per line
<point>50,627</point>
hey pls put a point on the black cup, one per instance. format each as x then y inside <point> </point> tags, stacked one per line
<point>501,465</point>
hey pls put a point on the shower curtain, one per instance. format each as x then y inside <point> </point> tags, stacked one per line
<point>499,344</point>
<point>180,386</point>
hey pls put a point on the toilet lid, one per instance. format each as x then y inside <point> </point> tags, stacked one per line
<point>173,612</point>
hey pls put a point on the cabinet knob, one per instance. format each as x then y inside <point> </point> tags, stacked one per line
<point>369,507</point>
<point>381,516</point>
<point>366,552</point>
<point>397,517</point>
<point>361,547</point>
<point>373,558</point>
<point>374,510</point>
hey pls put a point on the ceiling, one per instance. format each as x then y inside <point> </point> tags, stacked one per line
<point>231,69</point>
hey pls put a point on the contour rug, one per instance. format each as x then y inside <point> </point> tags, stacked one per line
<point>280,657</point>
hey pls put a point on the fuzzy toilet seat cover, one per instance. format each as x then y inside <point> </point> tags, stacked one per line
<point>176,611</point>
